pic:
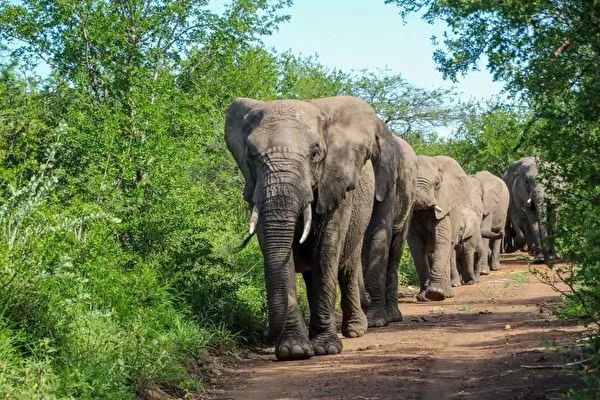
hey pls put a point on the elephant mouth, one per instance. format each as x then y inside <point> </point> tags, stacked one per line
<point>306,218</point>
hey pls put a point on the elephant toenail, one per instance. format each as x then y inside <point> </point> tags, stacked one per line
<point>319,350</point>
<point>332,349</point>
<point>297,350</point>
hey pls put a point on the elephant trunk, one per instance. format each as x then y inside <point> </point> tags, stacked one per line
<point>278,225</point>
<point>281,201</point>
<point>487,234</point>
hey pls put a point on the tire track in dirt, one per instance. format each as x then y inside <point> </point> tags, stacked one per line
<point>468,347</point>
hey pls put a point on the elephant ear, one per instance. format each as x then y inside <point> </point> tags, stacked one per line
<point>350,128</point>
<point>453,191</point>
<point>243,115</point>
<point>385,156</point>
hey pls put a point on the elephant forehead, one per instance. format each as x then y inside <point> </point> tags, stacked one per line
<point>290,109</point>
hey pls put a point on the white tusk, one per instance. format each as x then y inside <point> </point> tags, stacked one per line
<point>529,200</point>
<point>438,209</point>
<point>253,220</point>
<point>307,216</point>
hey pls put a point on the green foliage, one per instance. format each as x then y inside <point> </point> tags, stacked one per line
<point>407,274</point>
<point>120,204</point>
<point>410,111</point>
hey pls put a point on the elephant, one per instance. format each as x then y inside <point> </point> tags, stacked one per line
<point>469,247</point>
<point>495,204</point>
<point>528,211</point>
<point>384,241</point>
<point>439,200</point>
<point>312,171</point>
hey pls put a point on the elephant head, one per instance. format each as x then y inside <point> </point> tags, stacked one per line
<point>440,181</point>
<point>297,156</point>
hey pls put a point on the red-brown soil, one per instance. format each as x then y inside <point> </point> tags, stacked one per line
<point>473,346</point>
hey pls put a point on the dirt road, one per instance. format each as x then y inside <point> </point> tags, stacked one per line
<point>473,346</point>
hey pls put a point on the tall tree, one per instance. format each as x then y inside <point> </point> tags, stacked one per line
<point>407,109</point>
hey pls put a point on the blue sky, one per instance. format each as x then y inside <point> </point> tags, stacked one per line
<point>358,34</point>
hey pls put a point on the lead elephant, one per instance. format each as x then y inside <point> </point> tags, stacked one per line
<point>312,170</point>
<point>495,203</point>
<point>439,199</point>
<point>384,240</point>
<point>528,210</point>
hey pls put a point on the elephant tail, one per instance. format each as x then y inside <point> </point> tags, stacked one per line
<point>491,235</point>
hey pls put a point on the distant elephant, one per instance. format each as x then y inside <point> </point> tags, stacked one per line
<point>312,171</point>
<point>527,211</point>
<point>439,199</point>
<point>495,204</point>
<point>384,240</point>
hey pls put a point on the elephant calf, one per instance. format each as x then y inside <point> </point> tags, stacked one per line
<point>469,247</point>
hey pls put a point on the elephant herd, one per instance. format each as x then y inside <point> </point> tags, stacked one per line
<point>334,196</point>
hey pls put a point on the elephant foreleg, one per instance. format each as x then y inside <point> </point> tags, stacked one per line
<point>293,343</point>
<point>454,275</point>
<point>469,263</point>
<point>325,273</point>
<point>495,247</point>
<point>376,251</point>
<point>483,266</point>
<point>354,321</point>
<point>440,285</point>
<point>392,312</point>
<point>416,245</point>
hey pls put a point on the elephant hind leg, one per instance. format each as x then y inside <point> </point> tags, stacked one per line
<point>354,321</point>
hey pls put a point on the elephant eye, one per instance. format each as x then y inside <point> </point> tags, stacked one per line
<point>316,154</point>
<point>438,184</point>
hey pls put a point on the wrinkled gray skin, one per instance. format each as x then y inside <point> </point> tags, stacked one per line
<point>385,238</point>
<point>311,161</point>
<point>526,223</point>
<point>495,204</point>
<point>439,200</point>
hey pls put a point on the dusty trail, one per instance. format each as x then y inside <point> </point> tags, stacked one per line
<point>470,347</point>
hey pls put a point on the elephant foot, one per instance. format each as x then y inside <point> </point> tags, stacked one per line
<point>355,326</point>
<point>422,295</point>
<point>354,329</point>
<point>456,282</point>
<point>393,314</point>
<point>496,267</point>
<point>437,294</point>
<point>326,343</point>
<point>376,317</point>
<point>297,348</point>
<point>538,260</point>
<point>471,280</point>
<point>485,271</point>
